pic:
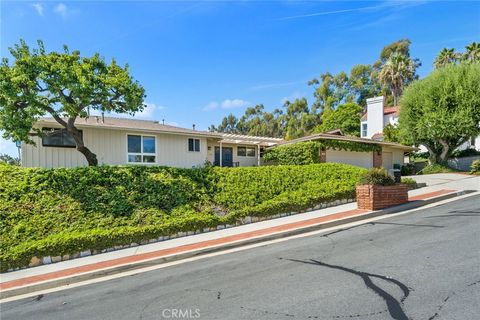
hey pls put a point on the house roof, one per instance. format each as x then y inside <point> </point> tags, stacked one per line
<point>130,124</point>
<point>386,111</point>
<point>153,126</point>
<point>326,136</point>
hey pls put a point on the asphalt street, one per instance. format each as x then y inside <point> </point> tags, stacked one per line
<point>423,265</point>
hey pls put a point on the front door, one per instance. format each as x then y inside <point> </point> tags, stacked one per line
<point>227,156</point>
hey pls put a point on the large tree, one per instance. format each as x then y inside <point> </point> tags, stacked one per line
<point>446,57</point>
<point>346,117</point>
<point>472,52</point>
<point>65,86</point>
<point>396,73</point>
<point>442,111</point>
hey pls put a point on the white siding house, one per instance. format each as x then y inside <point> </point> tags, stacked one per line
<point>126,141</point>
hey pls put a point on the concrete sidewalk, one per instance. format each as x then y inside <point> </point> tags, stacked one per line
<point>81,269</point>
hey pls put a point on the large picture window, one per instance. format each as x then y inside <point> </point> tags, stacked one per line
<point>58,138</point>
<point>246,151</point>
<point>194,145</point>
<point>141,149</point>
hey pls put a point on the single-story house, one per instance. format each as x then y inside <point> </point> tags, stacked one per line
<point>120,141</point>
<point>391,153</point>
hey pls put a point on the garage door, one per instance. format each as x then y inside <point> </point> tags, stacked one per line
<point>359,159</point>
<point>387,160</point>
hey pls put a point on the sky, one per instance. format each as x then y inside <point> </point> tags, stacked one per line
<point>201,60</point>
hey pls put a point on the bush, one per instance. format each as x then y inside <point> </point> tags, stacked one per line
<point>412,184</point>
<point>376,177</point>
<point>293,154</point>
<point>436,168</point>
<point>50,212</point>
<point>475,166</point>
<point>408,169</point>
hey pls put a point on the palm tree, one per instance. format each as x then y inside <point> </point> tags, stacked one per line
<point>472,53</point>
<point>445,57</point>
<point>396,72</point>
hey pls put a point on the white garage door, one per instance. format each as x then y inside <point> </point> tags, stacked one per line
<point>359,159</point>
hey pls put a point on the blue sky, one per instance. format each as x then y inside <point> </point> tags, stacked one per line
<point>199,61</point>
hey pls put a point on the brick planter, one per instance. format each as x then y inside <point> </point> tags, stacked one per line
<point>370,197</point>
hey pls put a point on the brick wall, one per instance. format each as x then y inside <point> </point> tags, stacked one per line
<point>379,197</point>
<point>377,159</point>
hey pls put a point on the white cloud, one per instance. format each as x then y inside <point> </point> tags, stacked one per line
<point>61,9</point>
<point>226,104</point>
<point>39,8</point>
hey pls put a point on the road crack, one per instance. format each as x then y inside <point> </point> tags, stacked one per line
<point>394,306</point>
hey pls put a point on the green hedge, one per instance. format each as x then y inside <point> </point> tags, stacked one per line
<point>308,152</point>
<point>293,154</point>
<point>62,211</point>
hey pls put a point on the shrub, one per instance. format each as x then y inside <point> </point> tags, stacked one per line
<point>376,177</point>
<point>412,184</point>
<point>436,168</point>
<point>408,169</point>
<point>50,212</point>
<point>293,154</point>
<point>475,166</point>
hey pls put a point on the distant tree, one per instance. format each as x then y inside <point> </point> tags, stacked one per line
<point>64,86</point>
<point>299,120</point>
<point>396,73</point>
<point>346,117</point>
<point>228,125</point>
<point>442,111</point>
<point>472,52</point>
<point>391,133</point>
<point>446,57</point>
<point>363,84</point>
<point>8,159</point>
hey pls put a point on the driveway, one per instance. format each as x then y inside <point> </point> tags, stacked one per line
<point>453,181</point>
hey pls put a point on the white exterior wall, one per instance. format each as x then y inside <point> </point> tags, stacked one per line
<point>390,119</point>
<point>110,146</point>
<point>243,161</point>
<point>391,156</point>
<point>359,159</point>
<point>375,122</point>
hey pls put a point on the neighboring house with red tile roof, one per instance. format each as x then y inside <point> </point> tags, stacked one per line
<point>377,117</point>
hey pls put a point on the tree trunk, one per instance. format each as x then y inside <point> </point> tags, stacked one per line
<point>433,156</point>
<point>77,136</point>
<point>445,151</point>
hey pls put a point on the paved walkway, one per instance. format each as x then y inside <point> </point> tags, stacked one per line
<point>191,243</point>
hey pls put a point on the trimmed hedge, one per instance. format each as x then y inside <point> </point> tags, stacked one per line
<point>308,152</point>
<point>293,154</point>
<point>50,212</point>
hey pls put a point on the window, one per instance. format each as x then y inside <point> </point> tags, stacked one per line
<point>58,138</point>
<point>246,151</point>
<point>194,145</point>
<point>364,129</point>
<point>141,149</point>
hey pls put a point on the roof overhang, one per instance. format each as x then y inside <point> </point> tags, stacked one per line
<point>244,139</point>
<point>325,136</point>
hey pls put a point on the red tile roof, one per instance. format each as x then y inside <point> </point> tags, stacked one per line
<point>386,110</point>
